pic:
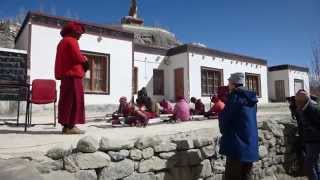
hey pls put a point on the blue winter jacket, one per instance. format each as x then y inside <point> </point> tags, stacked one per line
<point>238,126</point>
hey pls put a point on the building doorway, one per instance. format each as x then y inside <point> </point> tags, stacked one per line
<point>280,91</point>
<point>179,82</point>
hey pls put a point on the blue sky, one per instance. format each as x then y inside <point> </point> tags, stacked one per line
<point>281,31</point>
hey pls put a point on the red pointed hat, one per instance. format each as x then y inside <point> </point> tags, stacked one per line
<point>72,27</point>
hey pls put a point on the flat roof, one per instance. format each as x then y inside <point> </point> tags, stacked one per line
<point>200,50</point>
<point>150,49</point>
<point>104,30</point>
<point>215,52</point>
<point>287,67</point>
<point>13,50</point>
<point>58,22</point>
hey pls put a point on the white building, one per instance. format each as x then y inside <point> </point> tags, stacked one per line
<point>120,65</point>
<point>285,80</point>
<point>110,52</point>
<point>191,70</point>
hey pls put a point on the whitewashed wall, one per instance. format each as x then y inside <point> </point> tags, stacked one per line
<point>275,76</point>
<point>288,76</point>
<point>196,61</point>
<point>23,41</point>
<point>43,51</point>
<point>293,74</point>
<point>146,62</point>
<point>177,61</point>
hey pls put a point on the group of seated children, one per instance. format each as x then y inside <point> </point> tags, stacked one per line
<point>199,108</point>
<point>139,113</point>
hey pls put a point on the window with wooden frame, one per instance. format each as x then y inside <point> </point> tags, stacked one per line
<point>253,83</point>
<point>211,79</point>
<point>97,78</point>
<point>158,82</point>
<point>135,80</point>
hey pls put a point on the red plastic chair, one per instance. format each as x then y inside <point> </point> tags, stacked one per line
<point>43,92</point>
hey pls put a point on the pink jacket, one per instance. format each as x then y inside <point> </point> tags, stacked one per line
<point>182,110</point>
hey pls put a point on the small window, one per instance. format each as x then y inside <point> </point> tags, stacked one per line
<point>135,80</point>
<point>158,82</point>
<point>96,79</point>
<point>211,79</point>
<point>253,83</point>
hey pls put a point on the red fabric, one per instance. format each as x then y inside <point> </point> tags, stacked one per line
<point>167,107</point>
<point>125,109</point>
<point>217,107</point>
<point>43,91</point>
<point>182,110</point>
<point>123,100</point>
<point>150,115</point>
<point>69,60</point>
<point>71,102</point>
<point>143,115</point>
<point>72,28</point>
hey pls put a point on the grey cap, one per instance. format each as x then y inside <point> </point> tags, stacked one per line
<point>237,78</point>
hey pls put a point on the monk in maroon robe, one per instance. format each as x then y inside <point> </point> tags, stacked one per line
<point>199,108</point>
<point>70,67</point>
<point>125,109</point>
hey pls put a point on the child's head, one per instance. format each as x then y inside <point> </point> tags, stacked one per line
<point>214,99</point>
<point>193,100</point>
<point>123,100</point>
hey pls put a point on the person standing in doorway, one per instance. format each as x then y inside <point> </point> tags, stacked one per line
<point>238,126</point>
<point>70,67</point>
<point>308,117</point>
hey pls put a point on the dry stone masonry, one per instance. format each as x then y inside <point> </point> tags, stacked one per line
<point>186,156</point>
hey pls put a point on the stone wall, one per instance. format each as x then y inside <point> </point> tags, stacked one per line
<point>185,156</point>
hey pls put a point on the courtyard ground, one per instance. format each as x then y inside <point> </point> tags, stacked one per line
<point>40,138</point>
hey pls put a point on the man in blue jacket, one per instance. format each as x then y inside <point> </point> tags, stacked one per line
<point>238,126</point>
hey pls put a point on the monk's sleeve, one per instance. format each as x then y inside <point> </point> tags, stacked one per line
<point>76,55</point>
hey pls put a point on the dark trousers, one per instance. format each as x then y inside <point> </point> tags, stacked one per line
<point>236,170</point>
<point>312,161</point>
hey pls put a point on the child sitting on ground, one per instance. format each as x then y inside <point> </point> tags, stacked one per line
<point>199,108</point>
<point>165,107</point>
<point>143,110</point>
<point>125,109</point>
<point>181,110</point>
<point>216,108</point>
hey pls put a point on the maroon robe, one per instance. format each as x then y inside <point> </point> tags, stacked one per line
<point>71,102</point>
<point>69,69</point>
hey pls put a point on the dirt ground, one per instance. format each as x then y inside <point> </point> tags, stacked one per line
<point>14,140</point>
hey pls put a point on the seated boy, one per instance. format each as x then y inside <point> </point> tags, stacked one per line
<point>198,107</point>
<point>144,109</point>
<point>124,110</point>
<point>165,107</point>
<point>181,110</point>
